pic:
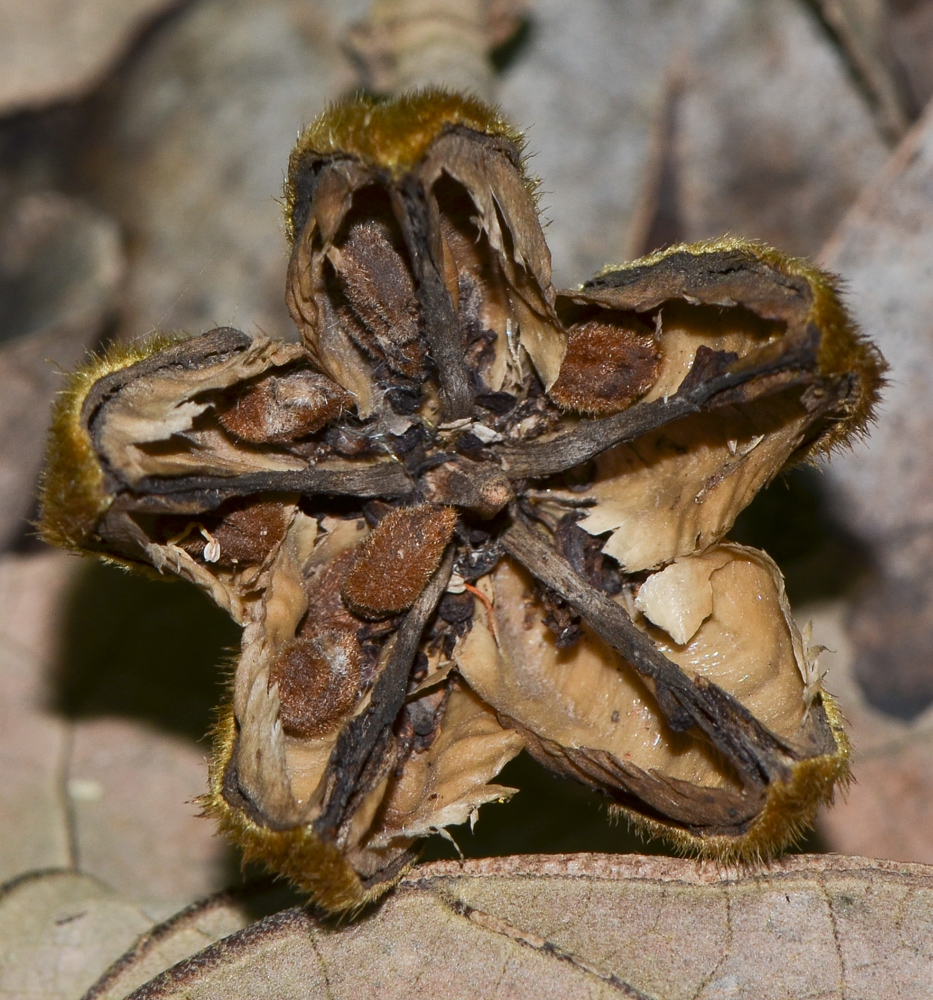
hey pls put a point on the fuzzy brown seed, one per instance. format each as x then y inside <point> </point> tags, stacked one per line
<point>382,310</point>
<point>607,366</point>
<point>246,535</point>
<point>318,677</point>
<point>394,563</point>
<point>284,408</point>
<point>318,673</point>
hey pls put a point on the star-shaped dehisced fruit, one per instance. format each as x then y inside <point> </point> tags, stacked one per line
<point>468,515</point>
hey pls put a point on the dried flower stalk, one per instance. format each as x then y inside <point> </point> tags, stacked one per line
<point>469,514</point>
<point>405,44</point>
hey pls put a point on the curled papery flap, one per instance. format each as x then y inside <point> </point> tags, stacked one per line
<point>683,318</point>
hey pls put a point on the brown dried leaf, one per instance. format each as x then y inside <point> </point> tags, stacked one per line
<point>113,795</point>
<point>665,122</point>
<point>136,823</point>
<point>57,930</point>
<point>863,29</point>
<point>887,812</point>
<point>595,926</point>
<point>592,77</point>
<point>881,639</point>
<point>909,31</point>
<point>184,934</point>
<point>34,742</point>
<point>188,155</point>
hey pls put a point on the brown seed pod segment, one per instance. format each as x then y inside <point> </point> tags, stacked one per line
<point>609,363</point>
<point>295,851</point>
<point>722,743</point>
<point>719,308</point>
<point>417,252</point>
<point>394,563</point>
<point>801,303</point>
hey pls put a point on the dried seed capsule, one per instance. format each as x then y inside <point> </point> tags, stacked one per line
<point>600,619</point>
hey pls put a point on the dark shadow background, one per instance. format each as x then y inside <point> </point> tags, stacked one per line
<point>146,649</point>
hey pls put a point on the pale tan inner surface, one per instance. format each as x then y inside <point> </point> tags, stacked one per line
<point>680,332</point>
<point>588,697</point>
<point>679,489</point>
<point>544,341</point>
<point>261,757</point>
<point>162,406</point>
<point>445,784</point>
<point>440,786</point>
<point>502,200</point>
<point>749,643</point>
<point>582,697</point>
